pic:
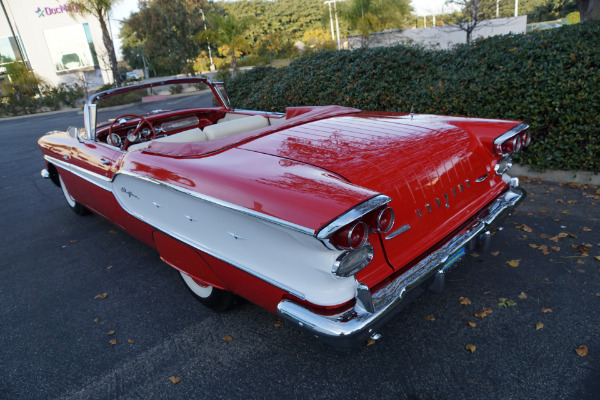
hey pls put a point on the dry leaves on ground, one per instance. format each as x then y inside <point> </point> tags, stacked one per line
<point>539,326</point>
<point>506,302</point>
<point>582,351</point>
<point>487,310</point>
<point>430,317</point>
<point>495,253</point>
<point>175,380</point>
<point>513,263</point>
<point>464,300</point>
<point>471,348</point>
<point>278,324</point>
<point>546,310</point>
<point>480,314</point>
<point>471,324</point>
<point>227,338</point>
<point>522,296</point>
<point>101,296</point>
<point>112,342</point>
<point>524,228</point>
<point>112,332</point>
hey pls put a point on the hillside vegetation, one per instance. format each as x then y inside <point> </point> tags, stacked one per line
<point>549,79</point>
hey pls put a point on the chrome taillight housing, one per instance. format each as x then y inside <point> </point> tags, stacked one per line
<point>513,140</point>
<point>350,237</point>
<point>381,220</point>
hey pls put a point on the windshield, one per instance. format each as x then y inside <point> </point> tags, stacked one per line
<point>150,100</point>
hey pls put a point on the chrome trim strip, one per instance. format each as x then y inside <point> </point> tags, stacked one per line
<point>400,230</point>
<point>91,177</point>
<point>354,326</point>
<point>352,215</point>
<point>231,206</point>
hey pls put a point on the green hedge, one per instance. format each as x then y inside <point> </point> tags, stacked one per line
<point>550,79</point>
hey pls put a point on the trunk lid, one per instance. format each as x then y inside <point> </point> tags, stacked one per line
<point>435,170</point>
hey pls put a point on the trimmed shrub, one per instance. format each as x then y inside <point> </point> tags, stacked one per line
<point>549,79</point>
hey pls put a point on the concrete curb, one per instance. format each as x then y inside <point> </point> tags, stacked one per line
<point>583,177</point>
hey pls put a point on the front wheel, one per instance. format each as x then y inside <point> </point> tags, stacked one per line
<point>77,207</point>
<point>216,299</point>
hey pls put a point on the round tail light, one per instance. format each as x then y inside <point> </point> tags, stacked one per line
<point>385,220</point>
<point>351,237</point>
<point>526,138</point>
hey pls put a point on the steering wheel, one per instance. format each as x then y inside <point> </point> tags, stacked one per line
<point>143,121</point>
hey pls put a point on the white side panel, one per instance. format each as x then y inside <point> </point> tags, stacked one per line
<point>288,259</point>
<point>98,180</point>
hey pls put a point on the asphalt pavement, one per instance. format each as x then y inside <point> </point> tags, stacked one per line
<point>88,312</point>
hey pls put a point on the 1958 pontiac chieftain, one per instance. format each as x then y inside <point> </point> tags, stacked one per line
<point>332,217</point>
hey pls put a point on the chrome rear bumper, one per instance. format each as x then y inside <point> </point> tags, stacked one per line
<point>353,327</point>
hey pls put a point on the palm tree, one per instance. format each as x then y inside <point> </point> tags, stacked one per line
<point>99,9</point>
<point>228,33</point>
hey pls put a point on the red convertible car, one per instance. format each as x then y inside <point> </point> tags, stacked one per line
<point>331,217</point>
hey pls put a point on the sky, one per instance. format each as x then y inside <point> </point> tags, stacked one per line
<point>125,7</point>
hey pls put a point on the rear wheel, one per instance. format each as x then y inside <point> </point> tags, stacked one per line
<point>210,296</point>
<point>73,204</point>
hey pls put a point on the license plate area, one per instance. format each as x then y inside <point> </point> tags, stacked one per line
<point>454,259</point>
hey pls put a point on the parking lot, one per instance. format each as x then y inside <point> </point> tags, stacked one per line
<point>88,312</point>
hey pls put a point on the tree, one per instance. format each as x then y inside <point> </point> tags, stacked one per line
<point>165,31</point>
<point>589,9</point>
<point>99,9</point>
<point>472,13</point>
<point>229,34</point>
<point>367,16</point>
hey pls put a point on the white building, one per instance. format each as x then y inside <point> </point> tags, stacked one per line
<point>442,37</point>
<point>57,47</point>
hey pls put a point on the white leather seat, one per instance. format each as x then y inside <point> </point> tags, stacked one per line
<point>191,135</point>
<point>235,126</point>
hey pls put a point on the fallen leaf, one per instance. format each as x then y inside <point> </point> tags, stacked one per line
<point>74,241</point>
<point>464,300</point>
<point>278,324</point>
<point>430,317</point>
<point>582,351</point>
<point>597,258</point>
<point>513,263</point>
<point>472,348</point>
<point>586,229</point>
<point>546,310</point>
<point>370,342</point>
<point>480,314</point>
<point>524,228</point>
<point>559,201</point>
<point>96,320</point>
<point>471,324</point>
<point>555,248</point>
<point>598,294</point>
<point>572,201</point>
<point>487,310</point>
<point>101,296</point>
<point>175,380</point>
<point>564,212</point>
<point>559,236</point>
<point>543,247</point>
<point>111,332</point>
<point>533,246</point>
<point>580,248</point>
<point>474,254</point>
<point>543,236</point>
<point>130,340</point>
<point>522,296</point>
<point>539,326</point>
<point>112,342</point>
<point>227,338</point>
<point>580,262</point>
<point>556,220</point>
<point>495,253</point>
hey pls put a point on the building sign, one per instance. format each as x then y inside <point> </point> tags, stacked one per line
<point>42,12</point>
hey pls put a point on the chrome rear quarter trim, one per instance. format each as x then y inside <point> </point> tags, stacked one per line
<point>353,327</point>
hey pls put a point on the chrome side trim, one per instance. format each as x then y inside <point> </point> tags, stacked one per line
<point>400,230</point>
<point>231,206</point>
<point>92,177</point>
<point>356,325</point>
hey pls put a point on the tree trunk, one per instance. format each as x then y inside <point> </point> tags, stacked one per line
<point>589,9</point>
<point>234,65</point>
<point>108,43</point>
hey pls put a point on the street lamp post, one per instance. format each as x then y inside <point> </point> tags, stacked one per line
<point>337,25</point>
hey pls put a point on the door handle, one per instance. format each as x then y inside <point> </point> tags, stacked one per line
<point>104,161</point>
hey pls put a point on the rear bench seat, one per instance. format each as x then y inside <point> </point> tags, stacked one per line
<point>235,126</point>
<point>211,132</point>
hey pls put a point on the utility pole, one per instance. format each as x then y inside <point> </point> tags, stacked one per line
<point>498,8</point>
<point>516,8</point>
<point>337,25</point>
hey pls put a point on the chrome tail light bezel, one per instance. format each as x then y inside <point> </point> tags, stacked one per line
<point>513,140</point>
